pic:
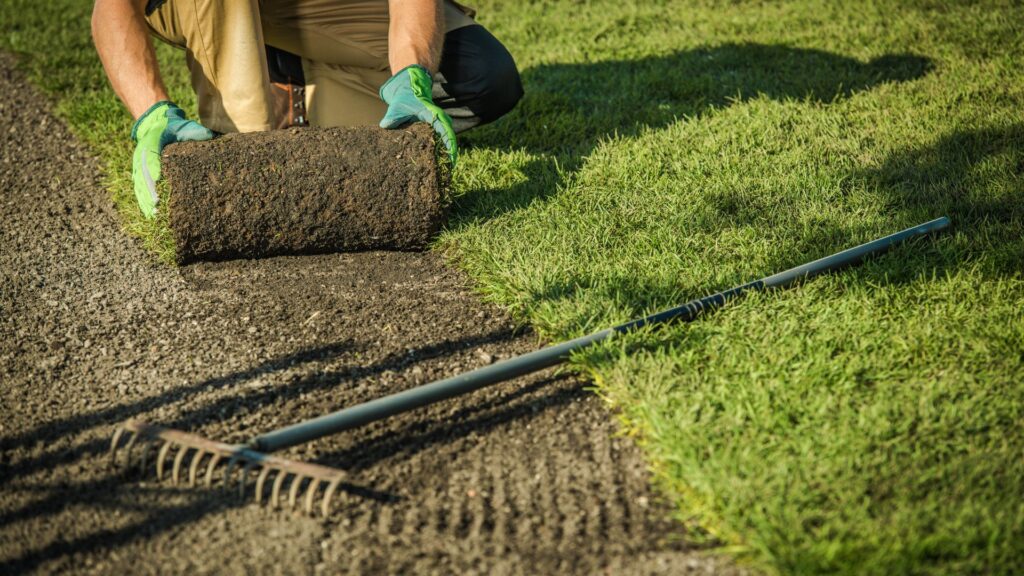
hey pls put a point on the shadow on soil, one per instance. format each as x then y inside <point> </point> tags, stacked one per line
<point>105,495</point>
<point>219,409</point>
<point>107,492</point>
<point>569,108</point>
<point>406,442</point>
<point>79,423</point>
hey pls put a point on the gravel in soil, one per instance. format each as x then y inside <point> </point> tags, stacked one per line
<point>527,477</point>
<point>305,191</point>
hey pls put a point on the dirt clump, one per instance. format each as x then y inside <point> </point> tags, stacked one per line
<point>305,191</point>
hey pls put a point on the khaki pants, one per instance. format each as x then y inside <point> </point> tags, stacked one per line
<point>343,45</point>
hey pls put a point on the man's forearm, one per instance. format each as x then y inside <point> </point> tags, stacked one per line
<point>122,40</point>
<point>415,34</point>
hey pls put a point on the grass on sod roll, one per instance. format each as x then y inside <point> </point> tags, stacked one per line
<point>870,421</point>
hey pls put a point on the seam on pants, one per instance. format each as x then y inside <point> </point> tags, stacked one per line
<point>206,50</point>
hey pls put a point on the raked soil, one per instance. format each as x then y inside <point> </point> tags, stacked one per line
<point>529,477</point>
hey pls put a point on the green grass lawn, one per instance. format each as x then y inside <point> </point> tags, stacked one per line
<point>866,422</point>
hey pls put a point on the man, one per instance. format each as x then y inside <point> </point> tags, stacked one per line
<point>262,64</point>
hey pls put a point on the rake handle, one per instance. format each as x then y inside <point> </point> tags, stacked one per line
<point>373,410</point>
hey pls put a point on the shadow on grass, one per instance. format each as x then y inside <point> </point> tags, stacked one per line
<point>569,108</point>
<point>976,177</point>
<point>973,176</point>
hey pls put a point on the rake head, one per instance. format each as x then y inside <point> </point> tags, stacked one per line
<point>186,456</point>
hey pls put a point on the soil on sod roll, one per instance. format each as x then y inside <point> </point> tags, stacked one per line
<point>524,478</point>
<point>305,191</point>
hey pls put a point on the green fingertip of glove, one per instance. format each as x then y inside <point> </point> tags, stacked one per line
<point>408,96</point>
<point>162,124</point>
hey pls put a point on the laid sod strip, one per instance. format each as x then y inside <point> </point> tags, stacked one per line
<point>864,423</point>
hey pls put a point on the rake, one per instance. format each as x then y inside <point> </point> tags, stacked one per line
<point>191,457</point>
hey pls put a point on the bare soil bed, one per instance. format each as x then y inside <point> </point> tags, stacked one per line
<point>527,477</point>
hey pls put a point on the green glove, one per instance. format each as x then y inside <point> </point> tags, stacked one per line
<point>164,123</point>
<point>407,95</point>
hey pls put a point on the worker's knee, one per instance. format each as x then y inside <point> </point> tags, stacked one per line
<point>480,76</point>
<point>502,89</point>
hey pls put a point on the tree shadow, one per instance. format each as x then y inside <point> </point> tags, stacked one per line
<point>569,108</point>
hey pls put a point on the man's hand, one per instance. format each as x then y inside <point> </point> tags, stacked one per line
<point>407,95</point>
<point>164,123</point>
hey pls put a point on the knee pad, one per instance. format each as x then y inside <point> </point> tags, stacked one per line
<point>479,73</point>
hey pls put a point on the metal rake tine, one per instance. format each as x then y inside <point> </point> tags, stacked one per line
<point>311,490</point>
<point>161,457</point>
<point>227,471</point>
<point>275,494</point>
<point>193,468</point>
<point>181,451</point>
<point>147,449</point>
<point>245,477</point>
<point>128,450</point>
<point>293,491</point>
<point>214,460</point>
<point>325,504</point>
<point>260,481</point>
<point>114,444</point>
<point>178,459</point>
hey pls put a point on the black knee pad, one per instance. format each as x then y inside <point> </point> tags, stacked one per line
<point>479,73</point>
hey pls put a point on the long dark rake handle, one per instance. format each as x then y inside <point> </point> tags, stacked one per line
<point>360,414</point>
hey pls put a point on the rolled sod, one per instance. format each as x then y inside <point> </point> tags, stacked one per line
<point>305,191</point>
